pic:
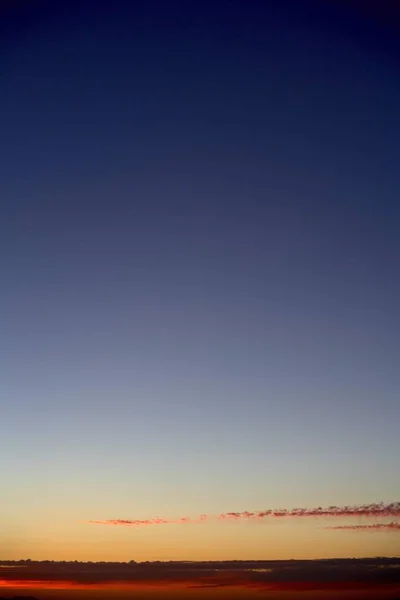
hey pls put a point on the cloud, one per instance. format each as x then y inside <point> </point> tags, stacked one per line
<point>360,510</point>
<point>144,522</point>
<point>134,522</point>
<point>393,526</point>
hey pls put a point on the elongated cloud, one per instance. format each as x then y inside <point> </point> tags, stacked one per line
<point>360,510</point>
<point>155,521</point>
<point>393,526</point>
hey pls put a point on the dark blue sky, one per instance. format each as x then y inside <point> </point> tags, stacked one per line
<point>200,247</point>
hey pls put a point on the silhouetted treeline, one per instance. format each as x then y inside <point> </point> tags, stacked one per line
<point>368,570</point>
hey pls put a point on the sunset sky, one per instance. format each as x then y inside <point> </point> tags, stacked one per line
<point>200,258</point>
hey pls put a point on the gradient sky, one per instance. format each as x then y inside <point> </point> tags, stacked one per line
<point>200,251</point>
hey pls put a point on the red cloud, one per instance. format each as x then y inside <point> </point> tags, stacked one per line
<point>361,510</point>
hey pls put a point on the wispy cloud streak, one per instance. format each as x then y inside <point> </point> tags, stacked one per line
<point>393,526</point>
<point>155,521</point>
<point>361,510</point>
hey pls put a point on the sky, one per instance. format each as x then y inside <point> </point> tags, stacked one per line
<point>199,255</point>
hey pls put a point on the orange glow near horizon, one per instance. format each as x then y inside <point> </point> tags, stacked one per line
<point>77,585</point>
<point>190,585</point>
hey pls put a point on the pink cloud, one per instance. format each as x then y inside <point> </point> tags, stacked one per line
<point>360,510</point>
